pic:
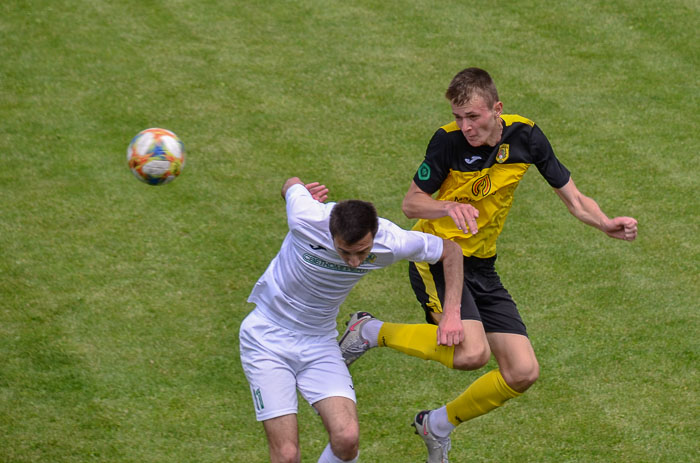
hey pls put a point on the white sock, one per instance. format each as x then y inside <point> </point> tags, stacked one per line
<point>329,457</point>
<point>370,331</point>
<point>438,423</point>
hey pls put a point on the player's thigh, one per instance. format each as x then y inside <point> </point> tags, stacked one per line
<point>324,373</point>
<point>516,359</point>
<point>339,415</point>
<point>325,382</point>
<point>271,377</point>
<point>283,438</point>
<point>428,284</point>
<point>474,351</point>
<point>497,309</point>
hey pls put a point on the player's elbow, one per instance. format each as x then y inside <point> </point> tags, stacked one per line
<point>408,209</point>
<point>290,181</point>
<point>451,248</point>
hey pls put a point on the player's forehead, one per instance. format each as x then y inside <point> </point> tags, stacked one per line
<point>476,105</point>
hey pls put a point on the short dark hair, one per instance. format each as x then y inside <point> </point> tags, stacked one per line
<point>469,83</point>
<point>352,219</point>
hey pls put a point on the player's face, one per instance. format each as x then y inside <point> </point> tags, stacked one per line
<point>354,254</point>
<point>480,124</point>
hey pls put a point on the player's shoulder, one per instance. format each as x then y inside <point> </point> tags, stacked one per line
<point>447,135</point>
<point>388,233</point>
<point>519,127</point>
<point>387,226</point>
<point>514,119</point>
<point>449,127</point>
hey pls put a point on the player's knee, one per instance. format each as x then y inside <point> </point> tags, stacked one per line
<point>285,453</point>
<point>345,442</point>
<point>521,377</point>
<point>471,359</point>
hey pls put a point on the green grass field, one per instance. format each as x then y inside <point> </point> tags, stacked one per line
<point>120,303</point>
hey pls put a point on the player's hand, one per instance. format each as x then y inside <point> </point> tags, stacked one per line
<point>318,192</point>
<point>622,228</point>
<point>464,216</point>
<point>450,331</point>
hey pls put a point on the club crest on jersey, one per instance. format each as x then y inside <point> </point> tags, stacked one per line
<point>503,152</point>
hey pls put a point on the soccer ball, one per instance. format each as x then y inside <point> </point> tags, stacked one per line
<point>156,156</point>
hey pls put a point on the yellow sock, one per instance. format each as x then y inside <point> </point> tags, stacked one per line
<point>483,395</point>
<point>415,340</point>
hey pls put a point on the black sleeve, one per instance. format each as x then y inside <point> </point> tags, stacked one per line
<point>556,174</point>
<point>434,169</point>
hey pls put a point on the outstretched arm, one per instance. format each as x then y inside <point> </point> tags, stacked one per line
<point>587,211</point>
<point>318,191</point>
<point>450,331</point>
<point>417,204</point>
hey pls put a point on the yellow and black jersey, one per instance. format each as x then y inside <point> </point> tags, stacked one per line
<point>485,177</point>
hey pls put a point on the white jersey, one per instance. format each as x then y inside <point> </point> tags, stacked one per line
<point>305,284</point>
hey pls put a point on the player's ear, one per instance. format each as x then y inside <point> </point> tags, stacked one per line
<point>498,108</point>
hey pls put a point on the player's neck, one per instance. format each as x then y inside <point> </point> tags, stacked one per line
<point>495,136</point>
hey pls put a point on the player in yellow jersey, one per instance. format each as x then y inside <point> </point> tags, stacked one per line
<point>463,191</point>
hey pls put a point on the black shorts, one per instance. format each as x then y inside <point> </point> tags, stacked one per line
<point>483,296</point>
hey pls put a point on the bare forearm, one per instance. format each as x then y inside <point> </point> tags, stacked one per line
<point>588,211</point>
<point>422,206</point>
<point>450,331</point>
<point>418,204</point>
<point>453,266</point>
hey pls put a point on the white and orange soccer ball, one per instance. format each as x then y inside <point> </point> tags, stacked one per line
<point>156,156</point>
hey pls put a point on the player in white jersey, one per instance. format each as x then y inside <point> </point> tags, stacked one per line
<point>288,341</point>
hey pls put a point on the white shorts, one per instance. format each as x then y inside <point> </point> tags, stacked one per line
<point>278,361</point>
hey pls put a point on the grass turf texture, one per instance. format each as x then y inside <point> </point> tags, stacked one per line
<point>120,303</point>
